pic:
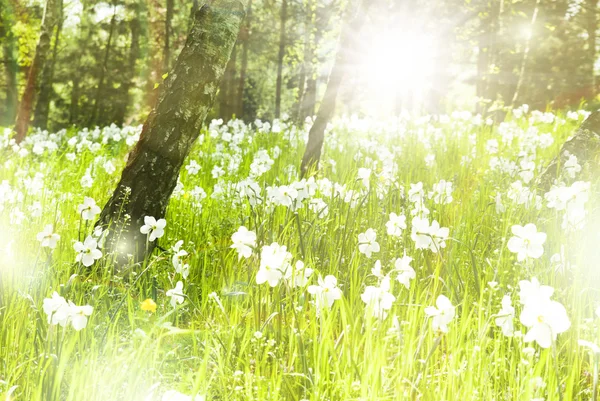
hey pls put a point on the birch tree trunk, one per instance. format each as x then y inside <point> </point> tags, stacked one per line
<point>171,129</point>
<point>316,136</point>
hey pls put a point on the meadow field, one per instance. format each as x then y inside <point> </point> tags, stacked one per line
<point>421,262</point>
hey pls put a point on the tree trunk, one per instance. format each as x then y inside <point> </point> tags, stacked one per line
<point>316,136</point>
<point>95,115</point>
<point>307,60</point>
<point>309,98</point>
<point>280,56</point>
<point>584,144</point>
<point>134,54</point>
<point>171,129</point>
<point>10,68</point>
<point>42,106</point>
<point>245,39</point>
<point>37,66</point>
<point>227,88</point>
<point>517,94</point>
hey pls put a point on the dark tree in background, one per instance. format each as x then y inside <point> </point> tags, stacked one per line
<point>316,136</point>
<point>36,71</point>
<point>9,48</point>
<point>172,127</point>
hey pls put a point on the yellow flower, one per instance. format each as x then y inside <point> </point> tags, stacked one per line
<point>149,305</point>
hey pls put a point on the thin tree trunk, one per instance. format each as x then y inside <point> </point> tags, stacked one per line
<point>280,56</point>
<point>134,54</point>
<point>316,136</point>
<point>171,129</point>
<point>585,145</point>
<point>10,70</point>
<point>309,98</point>
<point>524,59</point>
<point>307,60</point>
<point>227,88</point>
<point>95,115</point>
<point>42,106</point>
<point>245,38</point>
<point>39,61</point>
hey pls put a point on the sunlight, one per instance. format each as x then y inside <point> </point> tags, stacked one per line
<point>396,63</point>
<point>398,60</point>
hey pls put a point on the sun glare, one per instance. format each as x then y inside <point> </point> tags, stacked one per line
<point>397,63</point>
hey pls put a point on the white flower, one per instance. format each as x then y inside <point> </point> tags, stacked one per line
<point>178,254</point>
<point>404,270</point>
<point>506,316</point>
<point>274,264</point>
<point>416,193</point>
<point>109,167</point>
<point>395,225</point>
<point>545,319</point>
<point>87,252</point>
<point>442,192</point>
<point>153,228</point>
<point>376,270</point>
<point>193,167</point>
<point>243,242</point>
<point>88,210</point>
<point>533,290</point>
<point>79,315</point>
<point>439,235</point>
<point>593,347</point>
<point>299,275</point>
<point>442,315</point>
<point>57,309</point>
<point>378,299</point>
<point>364,174</point>
<point>527,242</point>
<point>326,292</point>
<point>176,294</point>
<point>420,233</point>
<point>62,312</point>
<point>48,238</point>
<point>367,243</point>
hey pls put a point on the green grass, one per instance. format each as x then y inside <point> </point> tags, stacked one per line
<point>212,348</point>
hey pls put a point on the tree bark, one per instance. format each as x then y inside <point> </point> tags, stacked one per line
<point>316,136</point>
<point>584,144</point>
<point>33,78</point>
<point>280,56</point>
<point>171,129</point>
<point>42,106</point>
